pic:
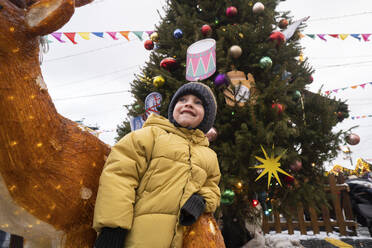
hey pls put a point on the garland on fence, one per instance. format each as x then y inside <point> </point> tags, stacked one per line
<point>87,35</point>
<point>345,88</point>
<point>323,37</point>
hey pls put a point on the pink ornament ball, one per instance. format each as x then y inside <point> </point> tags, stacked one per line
<point>206,29</point>
<point>149,44</point>
<point>212,134</point>
<point>296,165</point>
<point>231,11</point>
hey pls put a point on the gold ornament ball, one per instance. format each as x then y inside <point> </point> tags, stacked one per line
<point>158,81</point>
<point>154,37</point>
<point>236,51</point>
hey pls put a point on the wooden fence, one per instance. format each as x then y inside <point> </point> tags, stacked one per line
<point>342,215</point>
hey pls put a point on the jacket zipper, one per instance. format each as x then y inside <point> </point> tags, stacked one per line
<point>183,192</point>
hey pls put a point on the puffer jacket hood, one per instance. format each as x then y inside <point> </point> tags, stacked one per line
<point>194,135</point>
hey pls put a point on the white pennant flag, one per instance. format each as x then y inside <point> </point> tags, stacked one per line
<point>288,33</point>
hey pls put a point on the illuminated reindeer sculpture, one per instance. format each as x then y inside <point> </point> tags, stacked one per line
<point>49,167</point>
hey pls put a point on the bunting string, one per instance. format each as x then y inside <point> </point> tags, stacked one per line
<point>360,117</point>
<point>328,92</point>
<point>114,35</point>
<point>324,37</point>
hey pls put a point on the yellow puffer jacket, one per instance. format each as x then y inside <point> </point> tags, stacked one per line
<point>148,176</point>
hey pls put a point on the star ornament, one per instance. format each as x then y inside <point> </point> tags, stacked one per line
<point>270,166</point>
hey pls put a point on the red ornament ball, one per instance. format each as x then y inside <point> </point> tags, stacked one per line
<point>149,44</point>
<point>296,165</point>
<point>206,29</point>
<point>231,11</point>
<point>279,107</point>
<point>255,203</point>
<point>170,64</point>
<point>283,23</point>
<point>278,37</point>
<point>311,79</point>
<point>288,180</point>
<point>353,139</point>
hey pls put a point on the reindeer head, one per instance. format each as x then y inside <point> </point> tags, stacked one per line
<point>22,21</point>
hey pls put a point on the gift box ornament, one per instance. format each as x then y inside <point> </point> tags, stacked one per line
<point>201,60</point>
<point>241,90</point>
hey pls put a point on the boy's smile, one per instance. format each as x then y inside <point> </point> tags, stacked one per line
<point>189,111</point>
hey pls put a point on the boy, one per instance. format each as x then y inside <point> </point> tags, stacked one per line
<point>160,178</point>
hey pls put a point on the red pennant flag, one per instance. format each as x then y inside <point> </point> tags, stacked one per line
<point>71,37</point>
<point>334,35</point>
<point>125,34</point>
<point>113,35</point>
<point>363,85</point>
<point>366,37</point>
<point>327,92</point>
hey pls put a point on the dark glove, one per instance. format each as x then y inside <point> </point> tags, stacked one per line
<point>111,238</point>
<point>191,210</point>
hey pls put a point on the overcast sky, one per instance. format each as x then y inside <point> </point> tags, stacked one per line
<point>93,67</point>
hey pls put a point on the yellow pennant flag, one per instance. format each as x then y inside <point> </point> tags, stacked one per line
<point>343,36</point>
<point>84,35</point>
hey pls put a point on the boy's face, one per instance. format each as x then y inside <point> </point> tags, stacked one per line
<point>189,111</point>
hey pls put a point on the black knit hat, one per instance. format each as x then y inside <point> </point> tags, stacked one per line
<point>205,94</point>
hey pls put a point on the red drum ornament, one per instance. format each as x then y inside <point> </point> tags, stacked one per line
<point>353,139</point>
<point>170,64</point>
<point>149,44</point>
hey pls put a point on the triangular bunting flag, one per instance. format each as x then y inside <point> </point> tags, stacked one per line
<point>343,36</point>
<point>354,87</point>
<point>356,36</point>
<point>71,37</point>
<point>84,35</point>
<point>125,34</point>
<point>113,35</point>
<point>58,35</point>
<point>312,36</point>
<point>335,90</point>
<point>98,34</point>
<point>149,32</point>
<point>327,92</point>
<point>334,35</point>
<point>353,117</point>
<point>370,82</point>
<point>363,85</point>
<point>366,37</point>
<point>138,34</point>
<point>363,116</point>
<point>321,36</point>
<point>301,35</point>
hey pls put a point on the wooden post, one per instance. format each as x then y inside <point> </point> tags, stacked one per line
<point>301,222</point>
<point>326,219</point>
<point>314,220</point>
<point>289,224</point>
<point>265,224</point>
<point>278,228</point>
<point>336,204</point>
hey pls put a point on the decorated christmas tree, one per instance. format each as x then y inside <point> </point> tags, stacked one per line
<point>271,135</point>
